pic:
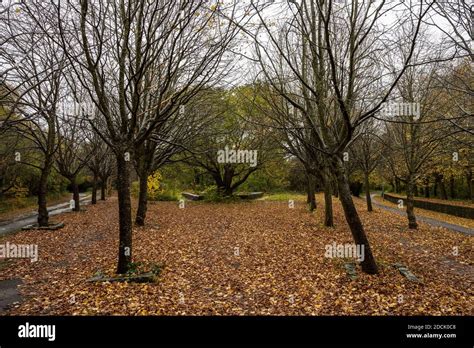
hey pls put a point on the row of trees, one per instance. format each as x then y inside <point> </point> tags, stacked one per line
<point>330,69</point>
<point>148,82</point>
<point>131,67</point>
<point>324,68</point>
<point>421,151</point>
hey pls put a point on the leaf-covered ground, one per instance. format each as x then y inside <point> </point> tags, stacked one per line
<point>242,259</point>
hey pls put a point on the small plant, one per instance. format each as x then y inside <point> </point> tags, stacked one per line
<point>99,273</point>
<point>154,185</point>
<point>134,267</point>
<point>137,268</point>
<point>156,269</point>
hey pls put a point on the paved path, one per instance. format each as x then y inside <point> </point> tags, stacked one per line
<point>428,220</point>
<point>9,293</point>
<point>24,220</point>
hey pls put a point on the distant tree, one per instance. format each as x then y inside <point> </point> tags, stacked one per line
<point>33,65</point>
<point>366,151</point>
<point>233,145</point>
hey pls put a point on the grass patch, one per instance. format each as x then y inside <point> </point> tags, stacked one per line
<point>9,205</point>
<point>284,196</point>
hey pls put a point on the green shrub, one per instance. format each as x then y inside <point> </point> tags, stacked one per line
<point>213,194</point>
<point>165,194</point>
<point>168,195</point>
<point>135,189</point>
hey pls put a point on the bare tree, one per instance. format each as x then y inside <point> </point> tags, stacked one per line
<point>366,151</point>
<point>73,153</point>
<point>99,164</point>
<point>115,49</point>
<point>330,57</point>
<point>171,137</point>
<point>454,19</point>
<point>33,64</point>
<point>298,140</point>
<point>414,139</point>
<point>11,141</point>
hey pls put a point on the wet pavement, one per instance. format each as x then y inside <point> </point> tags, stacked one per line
<point>16,224</point>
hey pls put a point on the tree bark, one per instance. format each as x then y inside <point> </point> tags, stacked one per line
<point>328,213</point>
<point>311,194</point>
<point>334,188</point>
<point>452,188</point>
<point>228,175</point>
<point>352,217</point>
<point>75,195</point>
<point>397,185</point>
<point>103,187</point>
<point>435,186</point>
<point>125,214</point>
<point>442,186</point>
<point>109,187</point>
<point>224,183</point>
<point>228,191</point>
<point>469,184</point>
<point>411,204</point>
<point>94,190</point>
<point>43,217</point>
<point>367,192</point>
<point>142,200</point>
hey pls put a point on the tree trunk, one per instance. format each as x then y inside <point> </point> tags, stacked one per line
<point>427,188</point>
<point>352,217</point>
<point>75,195</point>
<point>452,188</point>
<point>228,175</point>
<point>142,200</point>
<point>224,184</point>
<point>469,184</point>
<point>311,194</point>
<point>227,191</point>
<point>397,185</point>
<point>103,187</point>
<point>109,186</point>
<point>435,186</point>
<point>442,186</point>
<point>43,217</point>
<point>334,188</point>
<point>125,215</point>
<point>94,190</point>
<point>328,214</point>
<point>367,192</point>
<point>411,204</point>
